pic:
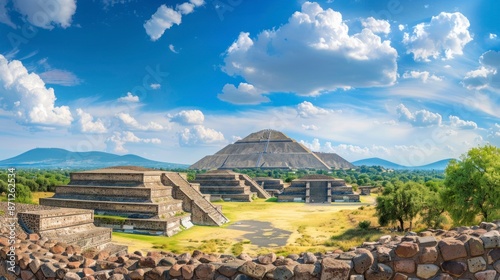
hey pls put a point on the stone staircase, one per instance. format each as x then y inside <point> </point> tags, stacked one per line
<point>71,226</point>
<point>202,211</point>
<point>254,187</point>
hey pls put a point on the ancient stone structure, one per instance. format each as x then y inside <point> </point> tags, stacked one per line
<point>135,199</point>
<point>229,185</point>
<point>318,189</point>
<point>461,253</point>
<point>365,190</point>
<point>272,185</point>
<point>270,149</point>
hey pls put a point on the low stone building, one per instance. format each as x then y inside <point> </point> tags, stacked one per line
<point>272,185</point>
<point>136,199</point>
<point>318,189</point>
<point>230,186</point>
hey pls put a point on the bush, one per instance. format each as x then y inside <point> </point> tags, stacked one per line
<point>364,224</point>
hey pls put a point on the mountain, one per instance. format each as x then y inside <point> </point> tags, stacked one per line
<point>60,158</point>
<point>438,165</point>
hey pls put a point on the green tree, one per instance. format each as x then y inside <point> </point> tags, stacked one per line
<point>433,207</point>
<point>23,194</point>
<point>400,203</point>
<point>472,186</point>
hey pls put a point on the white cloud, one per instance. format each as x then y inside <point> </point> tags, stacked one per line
<point>132,123</point>
<point>487,76</point>
<point>155,86</point>
<point>165,17</point>
<point>458,123</point>
<point>129,98</point>
<point>119,139</point>
<point>401,27</point>
<point>245,94</point>
<point>444,36</point>
<point>87,124</point>
<point>188,117</point>
<point>310,127</point>
<point>4,15</point>
<point>47,14</point>
<point>27,97</point>
<point>172,48</point>
<point>420,118</point>
<point>376,25</point>
<point>306,109</point>
<point>60,77</point>
<point>311,54</point>
<point>424,76</point>
<point>200,135</point>
<point>493,36</point>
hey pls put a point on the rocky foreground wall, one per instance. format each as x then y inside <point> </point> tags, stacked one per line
<point>462,253</point>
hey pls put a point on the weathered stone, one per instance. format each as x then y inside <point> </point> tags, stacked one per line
<point>487,226</point>
<point>242,277</point>
<point>208,258</point>
<point>379,272</point>
<point>443,276</point>
<point>454,268</point>
<point>73,265</point>
<point>229,269</point>
<point>27,275</point>
<point>383,254</point>
<point>120,270</point>
<point>267,258</point>
<point>384,239</point>
<point>427,271</point>
<point>293,257</point>
<point>151,261</point>
<point>486,275</point>
<point>476,264</point>
<point>362,261</point>
<point>476,247</point>
<point>496,266</point>
<point>306,272</point>
<point>452,249</point>
<point>117,276</point>
<point>102,255</point>
<point>347,255</point>
<point>427,241</point>
<point>309,258</point>
<point>205,271</point>
<point>187,271</point>
<point>48,270</point>
<point>491,239</point>
<point>405,266</point>
<point>334,269</point>
<point>493,255</point>
<point>138,274</point>
<point>406,249</point>
<point>87,271</point>
<point>176,270</point>
<point>252,269</point>
<point>71,276</point>
<point>357,277</point>
<point>57,249</point>
<point>245,257</point>
<point>399,276</point>
<point>283,272</point>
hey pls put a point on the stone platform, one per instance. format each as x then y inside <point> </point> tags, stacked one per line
<point>318,189</point>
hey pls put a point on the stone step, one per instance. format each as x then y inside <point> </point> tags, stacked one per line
<point>151,209</point>
<point>224,190</point>
<point>215,182</point>
<point>43,220</point>
<point>86,236</point>
<point>168,226</point>
<point>233,197</point>
<point>139,192</point>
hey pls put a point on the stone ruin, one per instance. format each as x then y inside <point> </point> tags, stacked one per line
<point>270,149</point>
<point>318,189</point>
<point>461,253</point>
<point>230,186</point>
<point>272,185</point>
<point>134,199</point>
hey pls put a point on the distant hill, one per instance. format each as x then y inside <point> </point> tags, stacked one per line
<point>438,165</point>
<point>59,158</point>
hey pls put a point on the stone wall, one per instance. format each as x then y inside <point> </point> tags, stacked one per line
<point>461,253</point>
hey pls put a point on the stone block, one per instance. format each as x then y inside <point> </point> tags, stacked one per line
<point>252,269</point>
<point>309,258</point>
<point>405,266</point>
<point>491,239</point>
<point>454,268</point>
<point>406,249</point>
<point>427,271</point>
<point>362,261</point>
<point>486,275</point>
<point>493,255</point>
<point>476,264</point>
<point>452,249</point>
<point>476,247</point>
<point>379,272</point>
<point>334,269</point>
<point>205,271</point>
<point>306,271</point>
<point>427,241</point>
<point>400,276</point>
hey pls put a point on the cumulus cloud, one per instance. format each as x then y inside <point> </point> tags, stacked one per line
<point>310,127</point>
<point>419,118</point>
<point>493,36</point>
<point>487,76</point>
<point>60,77</point>
<point>165,17</point>
<point>188,117</point>
<point>443,37</point>
<point>424,76</point>
<point>200,135</point>
<point>47,14</point>
<point>129,98</point>
<point>244,94</point>
<point>376,25</point>
<point>27,97</point>
<point>87,124</point>
<point>132,123</point>
<point>119,139</point>
<point>310,54</point>
<point>458,123</point>
<point>306,110</point>
<point>155,86</point>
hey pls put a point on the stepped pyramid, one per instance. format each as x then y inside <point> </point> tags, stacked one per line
<point>138,200</point>
<point>270,149</point>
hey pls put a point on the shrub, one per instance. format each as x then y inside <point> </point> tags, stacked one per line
<point>364,224</point>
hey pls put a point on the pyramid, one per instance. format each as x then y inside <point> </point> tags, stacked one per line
<point>270,149</point>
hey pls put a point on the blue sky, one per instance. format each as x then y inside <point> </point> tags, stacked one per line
<point>408,81</point>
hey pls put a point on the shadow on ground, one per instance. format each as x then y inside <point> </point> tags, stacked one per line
<point>262,234</point>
